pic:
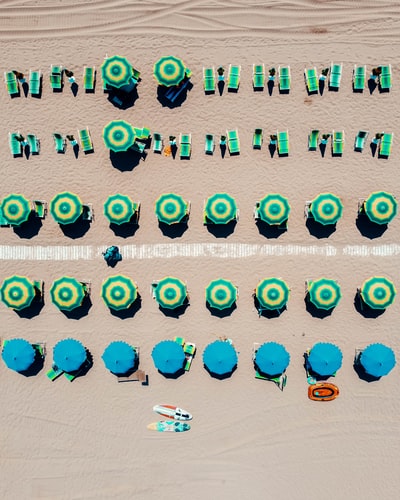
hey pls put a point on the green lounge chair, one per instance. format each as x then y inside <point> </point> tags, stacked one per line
<point>135,75</point>
<point>86,140</point>
<point>138,147</point>
<point>12,83</point>
<point>87,214</point>
<point>283,143</point>
<point>360,140</point>
<point>3,221</point>
<point>258,76</point>
<point>233,142</point>
<point>180,341</point>
<point>40,208</point>
<point>157,143</point>
<point>54,373</point>
<point>34,144</point>
<point>72,376</point>
<point>56,73</point>
<point>35,80</point>
<point>385,145</point>
<point>337,143</point>
<point>279,381</point>
<point>209,144</point>
<point>233,78</point>
<point>359,75</point>
<point>89,76</point>
<point>185,147</point>
<point>15,144</point>
<point>40,348</point>
<point>335,76</point>
<point>257,138</point>
<point>313,140</point>
<point>209,80</point>
<point>59,142</point>
<point>189,349</point>
<point>284,79</point>
<point>385,78</point>
<point>311,78</point>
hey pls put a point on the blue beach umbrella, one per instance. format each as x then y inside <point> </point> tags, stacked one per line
<point>220,358</point>
<point>272,358</point>
<point>168,357</point>
<point>18,354</point>
<point>69,355</point>
<point>377,360</point>
<point>325,359</point>
<point>119,357</point>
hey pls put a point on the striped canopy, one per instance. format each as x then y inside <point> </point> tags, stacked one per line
<point>273,209</point>
<point>221,294</point>
<point>168,357</point>
<point>271,359</point>
<point>116,71</point>
<point>378,292</point>
<point>119,357</point>
<point>169,71</point>
<point>17,292</point>
<point>119,135</point>
<point>170,292</point>
<point>119,292</point>
<point>380,207</point>
<point>16,209</point>
<point>66,207</point>
<point>377,360</point>
<point>220,358</point>
<point>171,208</point>
<point>272,293</point>
<point>220,208</point>
<point>326,208</point>
<point>325,359</point>
<point>324,293</point>
<point>119,208</point>
<point>67,293</point>
<point>18,354</point>
<point>69,355</point>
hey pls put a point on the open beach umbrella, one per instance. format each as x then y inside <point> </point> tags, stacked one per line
<point>171,208</point>
<point>168,357</point>
<point>119,357</point>
<point>378,292</point>
<point>170,292</point>
<point>325,359</point>
<point>66,207</point>
<point>69,355</point>
<point>116,71</point>
<point>220,208</point>
<point>273,209</point>
<point>169,71</point>
<point>377,360</point>
<point>119,208</point>
<point>272,293</point>
<point>326,208</point>
<point>221,294</point>
<point>119,292</point>
<point>220,358</point>
<point>324,293</point>
<point>16,209</point>
<point>272,359</point>
<point>380,207</point>
<point>18,354</point>
<point>67,293</point>
<point>119,135</point>
<point>17,292</point>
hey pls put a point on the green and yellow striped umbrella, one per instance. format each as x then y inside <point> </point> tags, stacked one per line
<point>326,208</point>
<point>170,292</point>
<point>119,208</point>
<point>324,293</point>
<point>221,294</point>
<point>272,293</point>
<point>220,208</point>
<point>67,293</point>
<point>119,292</point>
<point>378,292</point>
<point>169,71</point>
<point>16,209</point>
<point>17,292</point>
<point>273,209</point>
<point>66,207</point>
<point>116,71</point>
<point>119,135</point>
<point>380,207</point>
<point>171,208</point>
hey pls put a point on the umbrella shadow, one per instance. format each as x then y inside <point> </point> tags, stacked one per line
<point>221,313</point>
<point>77,229</point>
<point>124,230</point>
<point>173,97</point>
<point>29,228</point>
<point>312,373</point>
<point>362,374</point>
<point>221,376</point>
<point>270,231</point>
<point>364,309</point>
<point>32,310</point>
<point>321,86</point>
<point>368,228</point>
<point>319,230</point>
<point>35,367</point>
<point>173,230</point>
<point>315,311</point>
<point>129,372</point>
<point>221,230</point>
<point>268,313</point>
<point>121,99</point>
<point>75,149</point>
<point>80,311</point>
<point>372,85</point>
<point>126,161</point>
<point>175,375</point>
<point>177,311</point>
<point>130,311</point>
<point>87,365</point>
<point>25,88</point>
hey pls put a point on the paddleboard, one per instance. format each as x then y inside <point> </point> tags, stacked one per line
<point>171,411</point>
<point>168,426</point>
<point>323,391</point>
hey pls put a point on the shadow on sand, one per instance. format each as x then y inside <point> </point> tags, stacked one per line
<point>81,311</point>
<point>319,230</point>
<point>364,309</point>
<point>315,311</point>
<point>221,230</point>
<point>29,228</point>
<point>368,228</point>
<point>270,231</point>
<point>221,313</point>
<point>173,230</point>
<point>126,161</point>
<point>130,311</point>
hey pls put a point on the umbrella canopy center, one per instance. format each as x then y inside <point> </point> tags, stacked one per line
<point>221,294</point>
<point>65,207</point>
<point>383,207</point>
<point>380,292</point>
<point>17,292</point>
<point>221,208</point>
<point>170,293</point>
<point>13,208</point>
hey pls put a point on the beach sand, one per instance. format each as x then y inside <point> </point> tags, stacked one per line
<point>88,439</point>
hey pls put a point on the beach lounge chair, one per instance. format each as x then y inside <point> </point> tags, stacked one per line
<point>335,76</point>
<point>337,142</point>
<point>86,140</point>
<point>137,376</point>
<point>258,76</point>
<point>385,78</point>
<point>360,140</point>
<point>35,81</point>
<point>209,80</point>
<point>311,79</point>
<point>89,76</point>
<point>283,143</point>
<point>40,348</point>
<point>56,77</point>
<point>60,142</point>
<point>385,145</point>
<point>34,144</point>
<point>284,79</point>
<point>3,221</point>
<point>209,144</point>
<point>180,341</point>
<point>87,214</point>
<point>257,138</point>
<point>135,75</point>
<point>359,75</point>
<point>157,143</point>
<point>233,142</point>
<point>40,208</point>
<point>15,144</point>
<point>54,373</point>
<point>72,376</point>
<point>12,83</point>
<point>233,78</point>
<point>185,147</point>
<point>189,349</point>
<point>313,140</point>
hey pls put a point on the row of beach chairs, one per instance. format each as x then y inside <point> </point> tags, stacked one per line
<point>382,141</point>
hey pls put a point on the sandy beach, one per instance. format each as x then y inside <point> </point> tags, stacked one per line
<point>88,439</point>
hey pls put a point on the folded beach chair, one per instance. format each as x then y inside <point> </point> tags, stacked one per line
<point>284,79</point>
<point>337,142</point>
<point>257,138</point>
<point>233,141</point>
<point>359,75</point>
<point>189,349</point>
<point>311,78</point>
<point>157,143</point>
<point>40,208</point>
<point>138,146</point>
<point>360,140</point>
<point>34,144</point>
<point>56,77</point>
<point>185,146</point>
<point>180,341</point>
<point>385,145</point>
<point>40,348</point>
<point>209,144</point>
<point>86,140</point>
<point>59,142</point>
<point>12,83</point>
<point>283,143</point>
<point>258,76</point>
<point>385,78</point>
<point>313,140</point>
<point>335,76</point>
<point>54,373</point>
<point>209,80</point>
<point>15,144</point>
<point>135,75</point>
<point>89,75</point>
<point>35,79</point>
<point>233,78</point>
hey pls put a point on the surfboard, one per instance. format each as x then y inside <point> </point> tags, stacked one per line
<point>323,391</point>
<point>168,426</point>
<point>171,411</point>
